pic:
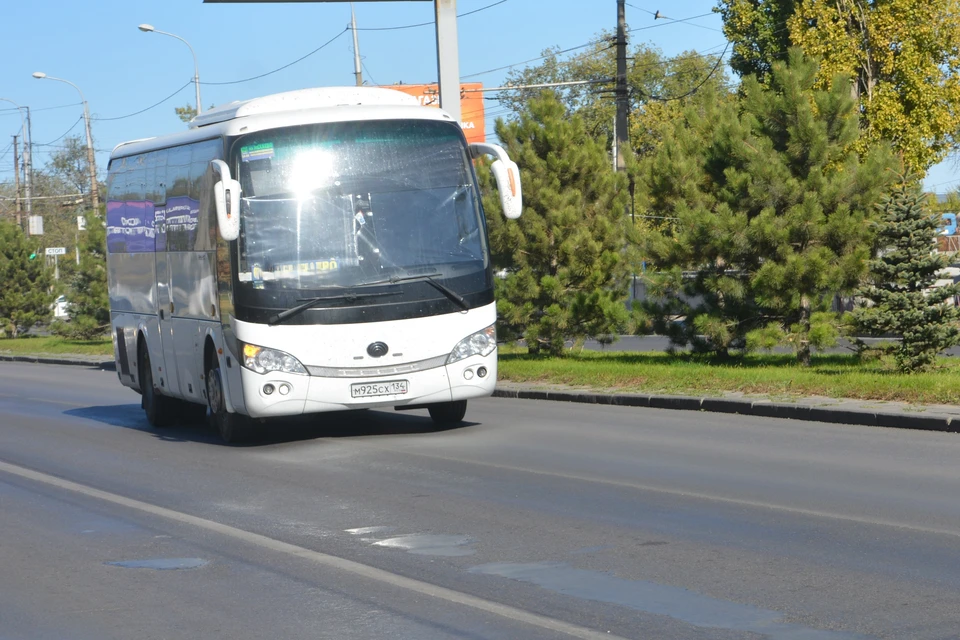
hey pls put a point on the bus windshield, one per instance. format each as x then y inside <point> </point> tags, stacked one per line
<point>340,204</point>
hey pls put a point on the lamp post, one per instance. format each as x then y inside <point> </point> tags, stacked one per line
<point>148,28</point>
<point>91,161</point>
<point>27,155</point>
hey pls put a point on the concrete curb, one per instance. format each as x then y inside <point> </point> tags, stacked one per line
<point>762,408</point>
<point>93,363</point>
<point>746,407</point>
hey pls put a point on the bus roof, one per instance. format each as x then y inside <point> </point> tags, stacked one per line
<point>318,98</point>
<point>323,104</point>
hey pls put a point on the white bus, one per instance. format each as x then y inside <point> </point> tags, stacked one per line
<point>305,252</point>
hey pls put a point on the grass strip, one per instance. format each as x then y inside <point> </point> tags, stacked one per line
<point>778,376</point>
<point>53,345</point>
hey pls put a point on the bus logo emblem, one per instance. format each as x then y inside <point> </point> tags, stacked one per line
<point>377,349</point>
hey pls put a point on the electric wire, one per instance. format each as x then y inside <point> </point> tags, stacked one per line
<point>672,21</point>
<point>546,55</point>
<point>657,16</point>
<point>6,151</point>
<point>425,24</point>
<point>582,46</point>
<point>59,106</point>
<point>942,184</point>
<point>62,135</point>
<point>702,82</point>
<point>363,65</point>
<point>156,104</point>
<point>290,64</point>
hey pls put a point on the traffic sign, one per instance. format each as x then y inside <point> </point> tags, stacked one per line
<point>56,251</point>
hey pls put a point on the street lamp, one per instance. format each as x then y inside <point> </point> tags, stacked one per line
<point>91,161</point>
<point>148,28</point>
<point>27,156</point>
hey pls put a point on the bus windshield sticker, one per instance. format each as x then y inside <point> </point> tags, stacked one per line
<point>262,151</point>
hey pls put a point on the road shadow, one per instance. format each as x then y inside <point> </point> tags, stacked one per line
<point>338,424</point>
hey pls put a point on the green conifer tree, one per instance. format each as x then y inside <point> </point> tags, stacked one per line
<point>87,298</point>
<point>905,301</point>
<point>25,296</point>
<point>564,258</point>
<point>766,211</point>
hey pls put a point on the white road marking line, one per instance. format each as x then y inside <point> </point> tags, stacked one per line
<point>626,484</point>
<point>317,557</point>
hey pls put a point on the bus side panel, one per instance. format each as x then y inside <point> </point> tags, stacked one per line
<point>191,242</point>
<point>188,337</point>
<point>133,283</point>
<point>131,267</point>
<point>127,329</point>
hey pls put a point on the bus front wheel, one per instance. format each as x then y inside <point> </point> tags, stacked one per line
<point>447,413</point>
<point>233,427</point>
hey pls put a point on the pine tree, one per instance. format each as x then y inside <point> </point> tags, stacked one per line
<point>564,257</point>
<point>767,211</point>
<point>903,57</point>
<point>24,282</point>
<point>87,298</point>
<point>905,301</point>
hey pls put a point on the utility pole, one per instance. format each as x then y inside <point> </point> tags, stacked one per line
<point>28,165</point>
<point>357,67</point>
<point>16,179</point>
<point>27,154</point>
<point>621,131</point>
<point>92,163</point>
<point>623,103</point>
<point>448,57</point>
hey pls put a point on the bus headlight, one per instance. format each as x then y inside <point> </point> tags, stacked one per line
<point>264,360</point>
<point>481,343</point>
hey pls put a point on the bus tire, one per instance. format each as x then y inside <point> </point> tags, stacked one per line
<point>192,413</point>
<point>447,413</point>
<point>233,427</point>
<point>160,409</point>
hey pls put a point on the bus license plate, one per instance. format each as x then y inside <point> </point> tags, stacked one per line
<point>371,389</point>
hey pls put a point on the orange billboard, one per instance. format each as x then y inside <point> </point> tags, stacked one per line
<point>471,105</point>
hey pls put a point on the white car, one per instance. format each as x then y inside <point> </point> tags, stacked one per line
<point>60,308</point>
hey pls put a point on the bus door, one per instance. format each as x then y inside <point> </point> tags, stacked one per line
<point>156,181</point>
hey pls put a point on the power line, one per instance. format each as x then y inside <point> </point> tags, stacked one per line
<point>369,75</point>
<point>702,82</point>
<point>546,55</point>
<point>66,195</point>
<point>941,184</point>
<point>541,85</point>
<point>656,16</point>
<point>582,46</point>
<point>692,56</point>
<point>263,75</point>
<point>72,127</point>
<point>156,104</point>
<point>59,106</point>
<point>425,24</point>
<point>6,151</point>
<point>672,21</point>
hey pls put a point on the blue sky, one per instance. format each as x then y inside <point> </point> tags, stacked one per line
<point>122,70</point>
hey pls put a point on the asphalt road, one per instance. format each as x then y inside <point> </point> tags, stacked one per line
<point>535,520</point>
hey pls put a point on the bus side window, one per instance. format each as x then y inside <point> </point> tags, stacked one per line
<point>201,192</point>
<point>181,208</point>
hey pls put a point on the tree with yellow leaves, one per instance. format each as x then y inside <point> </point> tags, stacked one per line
<point>903,58</point>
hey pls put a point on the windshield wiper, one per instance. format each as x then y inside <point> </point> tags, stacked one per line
<point>423,277</point>
<point>310,302</point>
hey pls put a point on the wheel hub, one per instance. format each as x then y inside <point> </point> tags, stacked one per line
<point>214,395</point>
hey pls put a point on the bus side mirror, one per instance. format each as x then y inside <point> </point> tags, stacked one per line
<point>507,175</point>
<point>226,192</point>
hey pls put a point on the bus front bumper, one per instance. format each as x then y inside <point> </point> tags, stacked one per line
<point>282,394</point>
